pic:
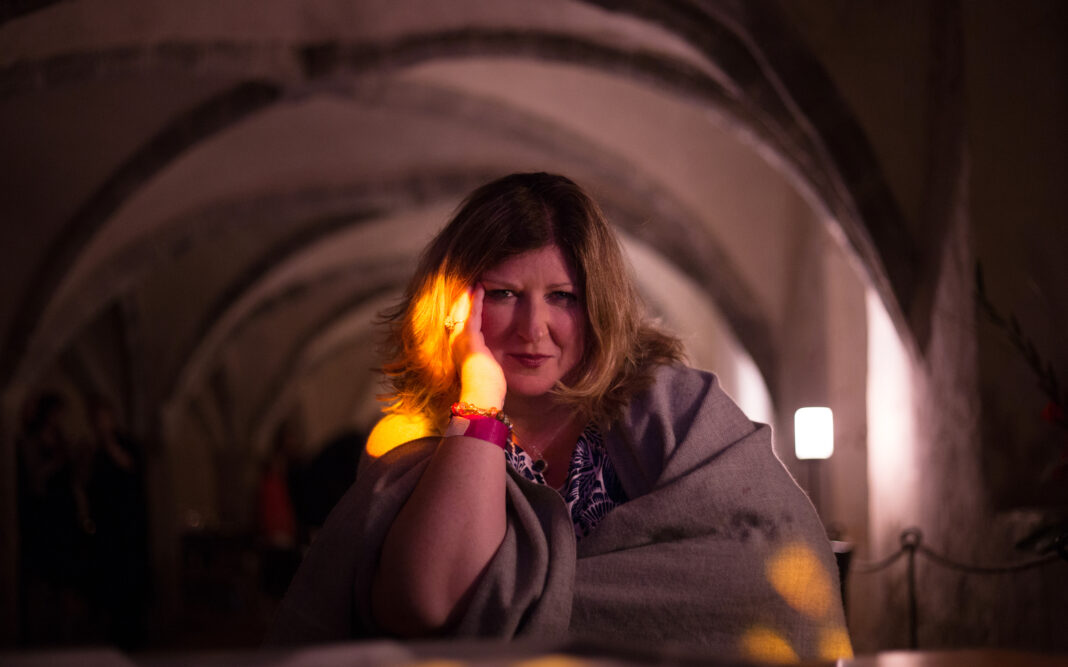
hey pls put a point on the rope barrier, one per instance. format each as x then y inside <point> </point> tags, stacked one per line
<point>868,568</point>
<point>912,543</point>
<point>912,539</point>
<point>947,562</point>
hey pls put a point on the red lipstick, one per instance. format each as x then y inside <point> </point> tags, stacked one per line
<point>530,360</point>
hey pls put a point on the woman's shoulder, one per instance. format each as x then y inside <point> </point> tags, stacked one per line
<point>680,374</point>
<point>676,388</point>
<point>681,398</point>
<point>675,426</point>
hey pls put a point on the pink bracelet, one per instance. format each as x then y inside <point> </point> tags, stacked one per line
<point>481,427</point>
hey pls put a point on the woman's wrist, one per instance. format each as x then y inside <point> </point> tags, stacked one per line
<point>484,401</point>
<point>475,421</point>
<point>482,381</point>
<point>487,429</point>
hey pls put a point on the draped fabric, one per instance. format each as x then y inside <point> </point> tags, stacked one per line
<point>592,488</point>
<point>717,548</point>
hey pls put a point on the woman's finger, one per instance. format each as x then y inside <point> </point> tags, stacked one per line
<point>458,314</point>
<point>482,380</point>
<point>478,294</point>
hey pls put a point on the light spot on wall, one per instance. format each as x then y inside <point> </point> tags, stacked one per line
<point>752,393</point>
<point>892,465</point>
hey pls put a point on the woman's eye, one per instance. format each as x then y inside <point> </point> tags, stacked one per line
<point>499,294</point>
<point>564,298</point>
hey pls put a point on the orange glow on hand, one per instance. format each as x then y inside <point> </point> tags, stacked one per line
<point>430,354</point>
<point>797,575</point>
<point>396,429</point>
<point>460,311</point>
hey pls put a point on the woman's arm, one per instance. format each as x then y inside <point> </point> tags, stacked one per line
<point>442,538</point>
<point>454,521</point>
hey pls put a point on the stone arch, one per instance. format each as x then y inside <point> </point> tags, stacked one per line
<point>814,146</point>
<point>697,252</point>
<point>207,118</point>
<point>343,326</point>
<point>759,86</point>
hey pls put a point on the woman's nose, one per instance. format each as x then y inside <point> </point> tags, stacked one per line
<point>532,323</point>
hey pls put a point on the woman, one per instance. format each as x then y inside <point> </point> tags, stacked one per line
<point>623,496</point>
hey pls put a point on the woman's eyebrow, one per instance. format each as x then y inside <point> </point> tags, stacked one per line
<point>500,282</point>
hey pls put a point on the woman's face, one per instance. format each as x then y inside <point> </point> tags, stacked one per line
<point>533,320</point>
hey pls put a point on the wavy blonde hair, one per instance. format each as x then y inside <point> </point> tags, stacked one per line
<point>499,220</point>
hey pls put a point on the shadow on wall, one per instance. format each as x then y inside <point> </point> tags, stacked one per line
<point>83,532</point>
<point>83,527</point>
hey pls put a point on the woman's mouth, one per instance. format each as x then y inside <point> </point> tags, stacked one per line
<point>530,360</point>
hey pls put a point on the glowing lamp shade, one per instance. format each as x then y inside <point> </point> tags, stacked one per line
<point>813,433</point>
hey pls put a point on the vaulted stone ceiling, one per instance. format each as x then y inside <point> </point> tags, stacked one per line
<point>204,205</point>
<point>232,191</point>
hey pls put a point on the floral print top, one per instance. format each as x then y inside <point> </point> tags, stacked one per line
<point>592,488</point>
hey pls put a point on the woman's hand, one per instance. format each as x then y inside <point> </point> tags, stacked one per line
<point>454,522</point>
<point>482,381</point>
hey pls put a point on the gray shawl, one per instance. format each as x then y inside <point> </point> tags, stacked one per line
<point>717,549</point>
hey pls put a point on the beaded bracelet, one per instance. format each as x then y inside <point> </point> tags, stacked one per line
<point>488,424</point>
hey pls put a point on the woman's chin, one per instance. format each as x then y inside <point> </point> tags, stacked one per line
<point>526,389</point>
